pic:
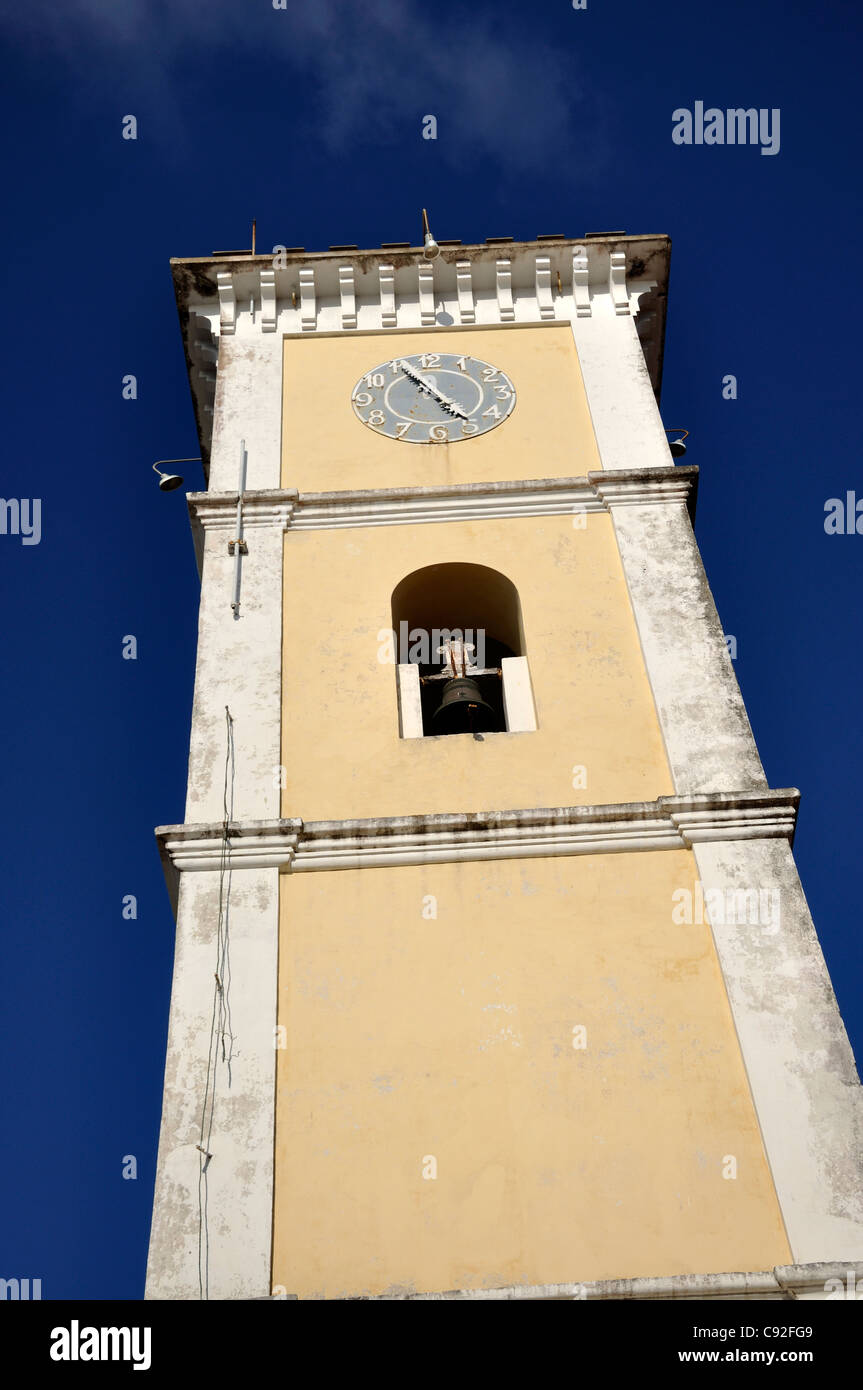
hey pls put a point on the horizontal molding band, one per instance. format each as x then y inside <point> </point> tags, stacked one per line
<point>292,291</point>
<point>597,491</point>
<point>807,1281</point>
<point>670,822</point>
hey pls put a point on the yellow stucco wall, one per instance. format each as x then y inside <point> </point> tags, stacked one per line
<point>325,448</point>
<point>453,1038</point>
<point>340,743</point>
<point>409,1037</point>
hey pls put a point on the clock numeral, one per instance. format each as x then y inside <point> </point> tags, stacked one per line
<point>490,374</point>
<point>492,413</point>
<point>439,434</point>
<point>374,378</point>
<point>503,393</point>
<point>363,398</point>
<point>402,428</point>
<point>396,366</point>
<point>470,427</point>
<point>461,363</point>
<point>430,359</point>
<point>376,418</point>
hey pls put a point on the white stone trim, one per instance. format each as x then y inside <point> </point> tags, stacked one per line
<point>526,281</point>
<point>238,665</point>
<point>248,406</point>
<point>798,1059</point>
<point>626,421</point>
<point>387,279</point>
<point>394,506</point>
<point>708,739</point>
<point>410,702</point>
<point>749,823</point>
<point>464,290</point>
<point>308,316</point>
<point>544,293</point>
<point>425,293</point>
<point>518,704</point>
<point>347,295</point>
<point>227,302</point>
<point>269,313</point>
<point>644,487</point>
<point>782,1282</point>
<point>240,1173</point>
<point>323,845</point>
<point>580,283</point>
<point>503,281</point>
<point>617,282</point>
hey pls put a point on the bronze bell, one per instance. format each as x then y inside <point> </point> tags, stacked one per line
<point>462,709</point>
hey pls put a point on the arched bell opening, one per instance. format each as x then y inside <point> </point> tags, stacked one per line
<point>462,667</point>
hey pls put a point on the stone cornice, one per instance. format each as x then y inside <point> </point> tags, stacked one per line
<point>645,486</point>
<point>783,1282</point>
<point>288,509</point>
<point>346,289</point>
<point>670,822</point>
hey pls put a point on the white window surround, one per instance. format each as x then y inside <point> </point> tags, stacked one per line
<point>410,706</point>
<point>518,705</point>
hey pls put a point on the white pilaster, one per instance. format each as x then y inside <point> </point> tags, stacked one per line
<point>239,665</point>
<point>801,1071</point>
<point>704,724</point>
<point>248,405</point>
<point>228,1209</point>
<point>626,420</point>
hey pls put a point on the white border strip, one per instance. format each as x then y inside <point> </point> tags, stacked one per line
<point>808,1281</point>
<point>314,511</point>
<point>668,823</point>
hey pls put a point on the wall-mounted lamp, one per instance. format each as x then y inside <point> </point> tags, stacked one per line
<point>431,250</point>
<point>677,447</point>
<point>168,481</point>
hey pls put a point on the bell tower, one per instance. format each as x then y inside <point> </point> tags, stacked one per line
<point>494,976</point>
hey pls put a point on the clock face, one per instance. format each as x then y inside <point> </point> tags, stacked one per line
<point>433,398</point>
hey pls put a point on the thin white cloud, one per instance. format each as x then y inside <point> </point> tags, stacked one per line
<point>375,66</point>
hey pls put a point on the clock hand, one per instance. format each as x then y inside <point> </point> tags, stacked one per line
<point>431,390</point>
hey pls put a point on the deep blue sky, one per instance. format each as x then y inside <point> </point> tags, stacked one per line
<point>309,119</point>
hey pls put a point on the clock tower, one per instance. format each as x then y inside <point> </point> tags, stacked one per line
<point>494,977</point>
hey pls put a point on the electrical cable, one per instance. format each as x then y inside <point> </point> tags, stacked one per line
<point>220,1019</point>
